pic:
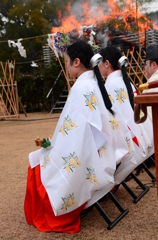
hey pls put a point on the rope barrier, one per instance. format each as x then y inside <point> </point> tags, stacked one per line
<point>23,39</point>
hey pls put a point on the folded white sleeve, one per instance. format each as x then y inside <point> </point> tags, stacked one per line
<point>99,138</point>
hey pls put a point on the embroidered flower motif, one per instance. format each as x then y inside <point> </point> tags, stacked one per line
<point>70,162</point>
<point>111,99</point>
<point>46,161</point>
<point>68,125</point>
<point>68,201</point>
<point>102,151</point>
<point>73,124</point>
<point>142,135</point>
<point>92,176</point>
<point>91,101</point>
<point>128,143</point>
<point>114,124</point>
<point>121,95</point>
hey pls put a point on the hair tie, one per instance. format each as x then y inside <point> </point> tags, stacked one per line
<point>96,60</point>
<point>123,61</point>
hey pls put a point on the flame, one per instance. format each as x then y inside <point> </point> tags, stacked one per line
<point>118,16</point>
<point>88,17</point>
<point>128,14</point>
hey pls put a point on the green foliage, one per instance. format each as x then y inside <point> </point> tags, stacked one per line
<point>27,19</point>
<point>46,143</point>
<point>33,89</point>
<point>65,39</point>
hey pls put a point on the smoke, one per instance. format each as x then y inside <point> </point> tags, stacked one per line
<point>88,13</point>
<point>99,3</point>
<point>79,9</point>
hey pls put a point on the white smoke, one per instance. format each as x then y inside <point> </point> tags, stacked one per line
<point>77,9</point>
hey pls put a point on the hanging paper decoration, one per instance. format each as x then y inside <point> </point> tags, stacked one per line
<point>50,43</point>
<point>49,40</point>
<point>11,65</point>
<point>33,64</point>
<point>21,49</point>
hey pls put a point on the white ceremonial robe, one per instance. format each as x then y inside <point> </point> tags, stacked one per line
<point>117,91</point>
<point>153,78</point>
<point>87,144</point>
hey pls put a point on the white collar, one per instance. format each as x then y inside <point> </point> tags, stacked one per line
<point>114,74</point>
<point>86,75</point>
<point>155,73</point>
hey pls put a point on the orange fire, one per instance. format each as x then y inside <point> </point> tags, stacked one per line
<point>87,17</point>
<point>119,17</point>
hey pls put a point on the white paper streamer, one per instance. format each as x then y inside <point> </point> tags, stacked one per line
<point>21,49</point>
<point>34,64</point>
<point>51,44</point>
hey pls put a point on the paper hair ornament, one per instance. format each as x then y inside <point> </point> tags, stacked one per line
<point>21,49</point>
<point>123,61</point>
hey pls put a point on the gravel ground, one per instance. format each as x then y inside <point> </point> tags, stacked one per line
<point>17,140</point>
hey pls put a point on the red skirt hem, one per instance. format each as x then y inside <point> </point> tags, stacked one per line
<point>38,210</point>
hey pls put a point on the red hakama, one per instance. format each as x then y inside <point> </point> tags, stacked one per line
<point>38,210</point>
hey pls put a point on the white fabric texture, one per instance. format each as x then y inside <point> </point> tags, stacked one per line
<point>87,144</point>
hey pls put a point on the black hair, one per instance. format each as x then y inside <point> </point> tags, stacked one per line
<point>113,54</point>
<point>84,52</point>
<point>154,60</point>
<point>81,50</point>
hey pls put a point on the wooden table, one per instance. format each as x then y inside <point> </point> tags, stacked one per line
<point>151,99</point>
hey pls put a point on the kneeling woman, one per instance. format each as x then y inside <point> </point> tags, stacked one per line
<point>121,91</point>
<point>70,175</point>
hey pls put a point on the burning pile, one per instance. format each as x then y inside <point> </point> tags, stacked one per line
<point>118,24</point>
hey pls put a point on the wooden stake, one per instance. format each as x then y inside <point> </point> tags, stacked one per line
<point>17,97</point>
<point>22,107</point>
<point>8,93</point>
<point>66,67</point>
<point>8,97</point>
<point>68,84</point>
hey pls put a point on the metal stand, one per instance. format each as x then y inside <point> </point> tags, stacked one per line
<point>85,212</point>
<point>111,223</point>
<point>153,159</point>
<point>129,190</point>
<point>59,105</point>
<point>149,173</point>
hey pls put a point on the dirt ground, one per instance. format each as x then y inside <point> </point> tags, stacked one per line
<point>16,141</point>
